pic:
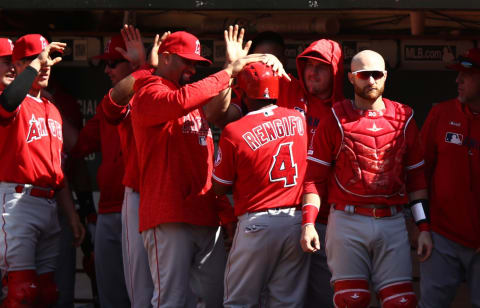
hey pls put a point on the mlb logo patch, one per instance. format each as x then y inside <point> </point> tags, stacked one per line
<point>454,138</point>
<point>202,140</point>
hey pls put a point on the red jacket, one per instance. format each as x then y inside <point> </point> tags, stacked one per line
<point>100,136</point>
<point>451,135</point>
<point>175,150</point>
<point>294,94</point>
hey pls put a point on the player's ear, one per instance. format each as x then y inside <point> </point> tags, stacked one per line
<point>350,77</point>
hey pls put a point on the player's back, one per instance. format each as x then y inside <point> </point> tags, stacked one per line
<point>270,158</point>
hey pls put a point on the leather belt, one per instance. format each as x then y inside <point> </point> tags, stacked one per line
<point>376,212</point>
<point>39,192</point>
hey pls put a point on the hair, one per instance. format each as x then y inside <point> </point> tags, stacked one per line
<point>29,58</point>
<point>267,37</point>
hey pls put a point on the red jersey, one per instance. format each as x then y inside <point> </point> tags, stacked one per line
<point>451,135</point>
<point>100,136</point>
<point>294,94</point>
<point>263,155</point>
<point>394,137</point>
<point>31,143</point>
<point>175,150</point>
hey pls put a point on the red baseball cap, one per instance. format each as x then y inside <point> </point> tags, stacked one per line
<point>28,45</point>
<point>6,47</point>
<point>110,53</point>
<point>468,62</point>
<point>185,45</point>
<point>258,81</point>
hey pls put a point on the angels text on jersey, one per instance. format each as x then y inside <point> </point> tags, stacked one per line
<point>38,129</point>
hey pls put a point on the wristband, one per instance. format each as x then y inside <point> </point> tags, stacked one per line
<point>420,211</point>
<point>309,213</point>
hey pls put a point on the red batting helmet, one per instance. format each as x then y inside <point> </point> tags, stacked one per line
<point>258,81</point>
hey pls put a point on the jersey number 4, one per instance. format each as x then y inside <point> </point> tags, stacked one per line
<point>284,168</point>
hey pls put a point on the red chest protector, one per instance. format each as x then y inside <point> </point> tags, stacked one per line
<point>370,160</point>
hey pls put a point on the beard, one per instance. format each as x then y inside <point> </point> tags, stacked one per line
<point>368,92</point>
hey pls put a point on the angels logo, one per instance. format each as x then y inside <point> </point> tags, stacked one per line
<point>43,41</point>
<point>11,43</point>
<point>38,129</point>
<point>197,47</point>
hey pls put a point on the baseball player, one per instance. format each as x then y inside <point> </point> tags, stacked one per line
<point>263,156</point>
<point>135,260</point>
<point>100,136</point>
<point>178,220</point>
<point>320,84</point>
<point>451,135</point>
<point>368,151</point>
<point>31,179</point>
<point>7,72</point>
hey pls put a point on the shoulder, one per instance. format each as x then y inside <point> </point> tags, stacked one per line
<point>449,105</point>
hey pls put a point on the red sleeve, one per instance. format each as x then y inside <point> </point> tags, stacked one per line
<point>428,137</point>
<point>89,137</point>
<point>6,117</point>
<point>414,162</point>
<point>224,167</point>
<point>225,210</point>
<point>114,114</point>
<point>159,103</point>
<point>321,155</point>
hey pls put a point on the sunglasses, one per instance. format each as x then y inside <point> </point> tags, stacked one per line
<point>466,63</point>
<point>113,63</point>
<point>365,74</point>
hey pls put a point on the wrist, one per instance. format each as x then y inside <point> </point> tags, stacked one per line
<point>309,213</point>
<point>36,65</point>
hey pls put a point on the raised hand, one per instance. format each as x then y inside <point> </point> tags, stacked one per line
<point>153,59</point>
<point>135,53</point>
<point>234,48</point>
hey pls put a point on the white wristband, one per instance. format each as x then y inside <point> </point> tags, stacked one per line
<point>418,212</point>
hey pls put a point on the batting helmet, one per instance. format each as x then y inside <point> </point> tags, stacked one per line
<point>258,81</point>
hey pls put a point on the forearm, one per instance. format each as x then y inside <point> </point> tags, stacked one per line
<point>310,207</point>
<point>123,91</point>
<point>418,195</point>
<point>15,93</point>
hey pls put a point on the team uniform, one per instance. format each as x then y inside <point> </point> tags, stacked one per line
<point>31,143</point>
<point>367,158</point>
<point>135,260</point>
<point>263,156</point>
<point>294,95</point>
<point>178,218</point>
<point>451,135</point>
<point>31,146</point>
<point>100,136</point>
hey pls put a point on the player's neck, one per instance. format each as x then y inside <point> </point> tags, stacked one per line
<point>474,106</point>
<point>35,92</point>
<point>364,104</point>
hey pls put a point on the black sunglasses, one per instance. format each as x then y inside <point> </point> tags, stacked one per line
<point>113,63</point>
<point>365,74</point>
